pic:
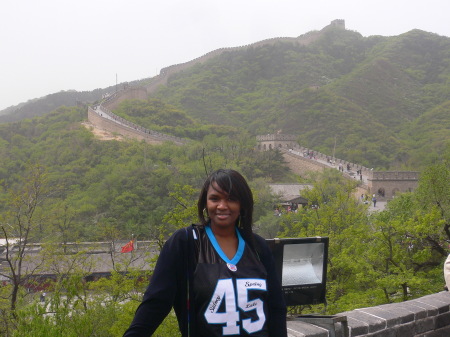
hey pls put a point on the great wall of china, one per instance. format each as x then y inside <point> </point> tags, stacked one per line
<point>142,92</point>
<point>384,184</point>
<point>426,316</point>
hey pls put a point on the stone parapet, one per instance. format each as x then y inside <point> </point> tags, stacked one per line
<point>386,184</point>
<point>129,93</point>
<point>337,161</point>
<point>108,121</point>
<point>302,165</point>
<point>394,175</point>
<point>275,136</point>
<point>166,72</point>
<point>428,316</point>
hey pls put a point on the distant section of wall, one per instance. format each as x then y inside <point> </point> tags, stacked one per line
<point>142,92</point>
<point>116,124</point>
<point>111,126</point>
<point>384,184</point>
<point>428,316</point>
<point>166,72</point>
<point>302,165</point>
<point>128,93</point>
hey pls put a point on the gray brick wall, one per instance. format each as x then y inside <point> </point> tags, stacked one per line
<point>428,316</point>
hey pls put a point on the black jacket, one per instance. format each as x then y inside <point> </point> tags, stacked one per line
<point>170,283</point>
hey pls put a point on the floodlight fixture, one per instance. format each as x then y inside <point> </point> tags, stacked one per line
<point>301,265</point>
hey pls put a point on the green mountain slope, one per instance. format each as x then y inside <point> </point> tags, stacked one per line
<point>401,78</point>
<point>240,85</point>
<point>428,135</point>
<point>372,96</point>
<point>120,185</point>
<point>364,92</point>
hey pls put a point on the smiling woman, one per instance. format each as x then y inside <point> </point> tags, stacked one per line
<point>218,276</point>
<point>223,211</point>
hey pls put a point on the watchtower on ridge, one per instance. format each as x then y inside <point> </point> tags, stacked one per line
<point>386,184</point>
<point>338,23</point>
<point>276,141</point>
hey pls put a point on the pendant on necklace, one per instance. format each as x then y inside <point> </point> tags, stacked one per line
<point>232,267</point>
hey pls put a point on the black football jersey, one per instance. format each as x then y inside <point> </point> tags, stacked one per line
<point>229,295</point>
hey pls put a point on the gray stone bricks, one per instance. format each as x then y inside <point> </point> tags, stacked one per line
<point>428,316</point>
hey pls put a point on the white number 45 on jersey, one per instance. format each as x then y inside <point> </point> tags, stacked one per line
<point>225,292</point>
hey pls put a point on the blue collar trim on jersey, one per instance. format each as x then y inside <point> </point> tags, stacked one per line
<point>240,250</point>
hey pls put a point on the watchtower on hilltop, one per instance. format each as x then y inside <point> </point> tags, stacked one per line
<point>338,23</point>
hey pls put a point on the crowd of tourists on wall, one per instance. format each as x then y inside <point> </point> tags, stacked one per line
<point>310,154</point>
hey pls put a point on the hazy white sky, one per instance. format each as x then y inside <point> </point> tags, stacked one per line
<point>53,45</point>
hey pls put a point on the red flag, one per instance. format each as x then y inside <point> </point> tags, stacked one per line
<point>128,247</point>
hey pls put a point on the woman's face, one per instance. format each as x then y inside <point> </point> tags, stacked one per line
<point>223,210</point>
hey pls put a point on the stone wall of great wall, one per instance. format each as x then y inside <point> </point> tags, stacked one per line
<point>126,94</point>
<point>142,92</point>
<point>116,124</point>
<point>428,316</point>
<point>388,184</point>
<point>303,40</point>
<point>302,165</point>
<point>301,160</point>
<point>382,185</point>
<point>113,127</point>
<point>166,72</point>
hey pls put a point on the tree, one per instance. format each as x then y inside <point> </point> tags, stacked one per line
<point>434,192</point>
<point>62,225</point>
<point>182,214</point>
<point>334,212</point>
<point>401,258</point>
<point>20,225</point>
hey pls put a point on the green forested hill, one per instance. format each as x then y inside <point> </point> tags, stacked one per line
<point>373,97</point>
<point>43,105</point>
<point>429,133</point>
<point>95,187</point>
<point>367,93</point>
